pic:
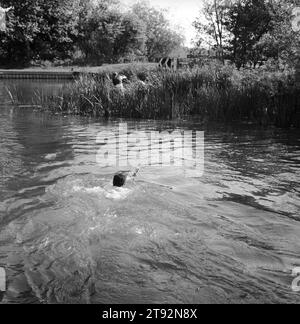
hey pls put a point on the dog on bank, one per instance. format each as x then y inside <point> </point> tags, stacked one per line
<point>117,80</point>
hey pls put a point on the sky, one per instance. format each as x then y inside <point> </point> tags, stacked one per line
<point>181,13</point>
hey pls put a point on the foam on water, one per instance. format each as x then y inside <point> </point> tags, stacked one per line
<point>51,157</point>
<point>110,193</point>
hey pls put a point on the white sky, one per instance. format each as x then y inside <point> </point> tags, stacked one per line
<point>181,13</point>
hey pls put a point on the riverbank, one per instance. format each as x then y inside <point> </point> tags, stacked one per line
<point>213,93</point>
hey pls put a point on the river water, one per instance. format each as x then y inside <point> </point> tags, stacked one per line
<point>231,234</point>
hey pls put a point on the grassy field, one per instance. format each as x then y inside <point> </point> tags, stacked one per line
<point>108,68</point>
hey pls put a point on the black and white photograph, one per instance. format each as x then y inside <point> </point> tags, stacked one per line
<point>149,154</point>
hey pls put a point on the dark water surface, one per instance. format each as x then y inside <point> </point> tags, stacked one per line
<point>232,235</point>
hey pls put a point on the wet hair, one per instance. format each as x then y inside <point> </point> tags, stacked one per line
<point>119,179</point>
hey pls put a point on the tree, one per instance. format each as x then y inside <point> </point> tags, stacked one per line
<point>38,29</point>
<point>107,35</point>
<point>131,39</point>
<point>160,39</point>
<point>54,29</point>
<point>250,32</point>
<point>281,43</point>
<point>211,25</point>
<point>248,21</point>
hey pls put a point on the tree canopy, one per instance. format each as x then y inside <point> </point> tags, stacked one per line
<point>160,39</point>
<point>247,21</point>
<point>250,32</point>
<point>56,29</point>
<point>38,29</point>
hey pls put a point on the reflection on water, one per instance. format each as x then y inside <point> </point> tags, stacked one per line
<point>28,91</point>
<point>66,235</point>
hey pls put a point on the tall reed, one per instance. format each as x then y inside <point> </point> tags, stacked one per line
<point>212,92</point>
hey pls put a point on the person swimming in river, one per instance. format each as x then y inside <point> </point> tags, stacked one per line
<point>121,177</point>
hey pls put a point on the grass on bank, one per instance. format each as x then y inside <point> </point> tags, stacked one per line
<point>105,68</point>
<point>213,92</point>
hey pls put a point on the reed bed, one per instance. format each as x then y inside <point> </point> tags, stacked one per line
<point>213,92</point>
